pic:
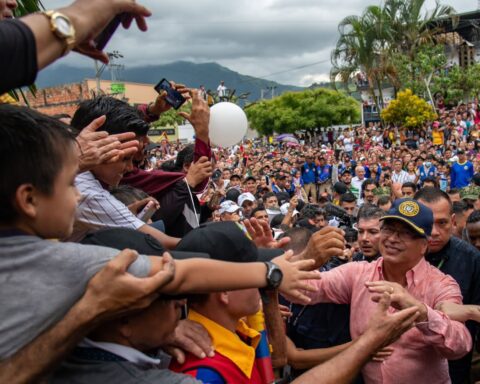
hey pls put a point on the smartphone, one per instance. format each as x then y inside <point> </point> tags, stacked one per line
<point>174,98</point>
<point>102,39</point>
<point>147,212</point>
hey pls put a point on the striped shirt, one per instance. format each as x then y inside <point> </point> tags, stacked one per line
<point>98,209</point>
<point>401,177</point>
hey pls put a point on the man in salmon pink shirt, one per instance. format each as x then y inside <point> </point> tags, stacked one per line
<point>420,355</point>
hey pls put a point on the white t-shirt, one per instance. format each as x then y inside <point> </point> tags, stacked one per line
<point>348,143</point>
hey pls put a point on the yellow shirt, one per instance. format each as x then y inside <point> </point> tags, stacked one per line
<point>229,344</point>
<point>437,138</point>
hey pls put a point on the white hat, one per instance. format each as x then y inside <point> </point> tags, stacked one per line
<point>284,209</point>
<point>247,196</point>
<point>228,206</point>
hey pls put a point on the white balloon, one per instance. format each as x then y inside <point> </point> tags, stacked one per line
<point>228,124</point>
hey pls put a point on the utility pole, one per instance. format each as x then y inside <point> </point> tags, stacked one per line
<point>113,68</point>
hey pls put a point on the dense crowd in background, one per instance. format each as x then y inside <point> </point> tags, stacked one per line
<point>347,255</point>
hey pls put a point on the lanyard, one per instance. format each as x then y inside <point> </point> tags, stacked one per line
<point>440,265</point>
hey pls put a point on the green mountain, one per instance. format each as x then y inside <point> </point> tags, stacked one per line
<point>191,74</point>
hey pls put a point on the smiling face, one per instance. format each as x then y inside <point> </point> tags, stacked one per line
<point>400,246</point>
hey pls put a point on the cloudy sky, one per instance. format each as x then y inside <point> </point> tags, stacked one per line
<point>288,41</point>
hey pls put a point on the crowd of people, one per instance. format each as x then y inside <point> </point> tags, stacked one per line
<point>352,256</point>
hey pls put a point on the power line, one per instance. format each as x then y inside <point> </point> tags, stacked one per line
<point>295,68</point>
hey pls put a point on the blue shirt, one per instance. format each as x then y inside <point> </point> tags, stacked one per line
<point>309,173</point>
<point>461,174</point>
<point>424,172</point>
<point>324,173</point>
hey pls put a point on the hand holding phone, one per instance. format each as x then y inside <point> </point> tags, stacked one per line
<point>173,97</point>
<point>147,212</point>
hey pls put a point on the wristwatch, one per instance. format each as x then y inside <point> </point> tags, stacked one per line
<point>62,27</point>
<point>274,275</point>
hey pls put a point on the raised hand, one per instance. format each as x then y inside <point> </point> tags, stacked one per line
<point>199,117</point>
<point>261,234</point>
<point>387,328</point>
<point>400,298</point>
<point>323,245</point>
<point>199,171</point>
<point>98,147</point>
<point>295,277</point>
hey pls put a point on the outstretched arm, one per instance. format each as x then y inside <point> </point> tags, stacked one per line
<point>111,292</point>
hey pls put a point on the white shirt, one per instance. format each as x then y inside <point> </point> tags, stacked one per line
<point>357,189</point>
<point>401,177</point>
<point>221,90</point>
<point>98,209</point>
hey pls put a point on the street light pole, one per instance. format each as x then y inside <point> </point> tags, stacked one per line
<point>111,66</point>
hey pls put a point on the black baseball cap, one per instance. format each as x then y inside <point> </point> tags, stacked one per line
<point>340,188</point>
<point>121,238</point>
<point>226,241</point>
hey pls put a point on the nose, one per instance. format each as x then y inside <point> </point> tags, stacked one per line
<point>12,4</point>
<point>434,231</point>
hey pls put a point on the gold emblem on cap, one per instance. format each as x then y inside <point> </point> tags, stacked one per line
<point>409,208</point>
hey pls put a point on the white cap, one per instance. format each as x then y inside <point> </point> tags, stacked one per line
<point>453,159</point>
<point>247,196</point>
<point>284,209</point>
<point>228,206</point>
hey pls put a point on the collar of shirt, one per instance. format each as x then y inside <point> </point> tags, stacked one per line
<point>413,275</point>
<point>230,344</point>
<point>130,354</point>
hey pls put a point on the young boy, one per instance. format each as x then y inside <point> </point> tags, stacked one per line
<point>221,313</point>
<point>41,280</point>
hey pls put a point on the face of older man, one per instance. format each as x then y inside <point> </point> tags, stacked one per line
<point>400,247</point>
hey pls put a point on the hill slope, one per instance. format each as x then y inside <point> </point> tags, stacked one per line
<point>191,74</point>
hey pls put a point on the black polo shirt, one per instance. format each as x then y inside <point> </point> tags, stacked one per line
<point>461,260</point>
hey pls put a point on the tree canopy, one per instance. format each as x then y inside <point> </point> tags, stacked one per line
<point>370,43</point>
<point>408,110</point>
<point>307,110</point>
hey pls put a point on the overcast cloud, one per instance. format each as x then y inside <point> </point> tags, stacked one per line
<point>262,38</point>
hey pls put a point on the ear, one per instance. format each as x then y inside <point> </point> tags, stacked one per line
<point>26,200</point>
<point>125,329</point>
<point>454,220</point>
<point>224,298</point>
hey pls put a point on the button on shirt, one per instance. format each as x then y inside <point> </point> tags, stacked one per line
<point>420,355</point>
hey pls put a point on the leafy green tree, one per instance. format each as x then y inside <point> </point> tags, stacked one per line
<point>408,110</point>
<point>417,74</point>
<point>171,118</point>
<point>307,110</point>
<point>384,38</point>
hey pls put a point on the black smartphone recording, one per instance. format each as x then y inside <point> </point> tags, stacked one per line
<point>173,97</point>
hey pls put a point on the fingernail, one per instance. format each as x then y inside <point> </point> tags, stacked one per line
<point>211,353</point>
<point>202,355</point>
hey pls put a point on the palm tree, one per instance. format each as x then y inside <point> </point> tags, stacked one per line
<point>364,46</point>
<point>367,43</point>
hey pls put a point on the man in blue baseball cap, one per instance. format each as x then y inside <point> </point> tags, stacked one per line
<point>420,354</point>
